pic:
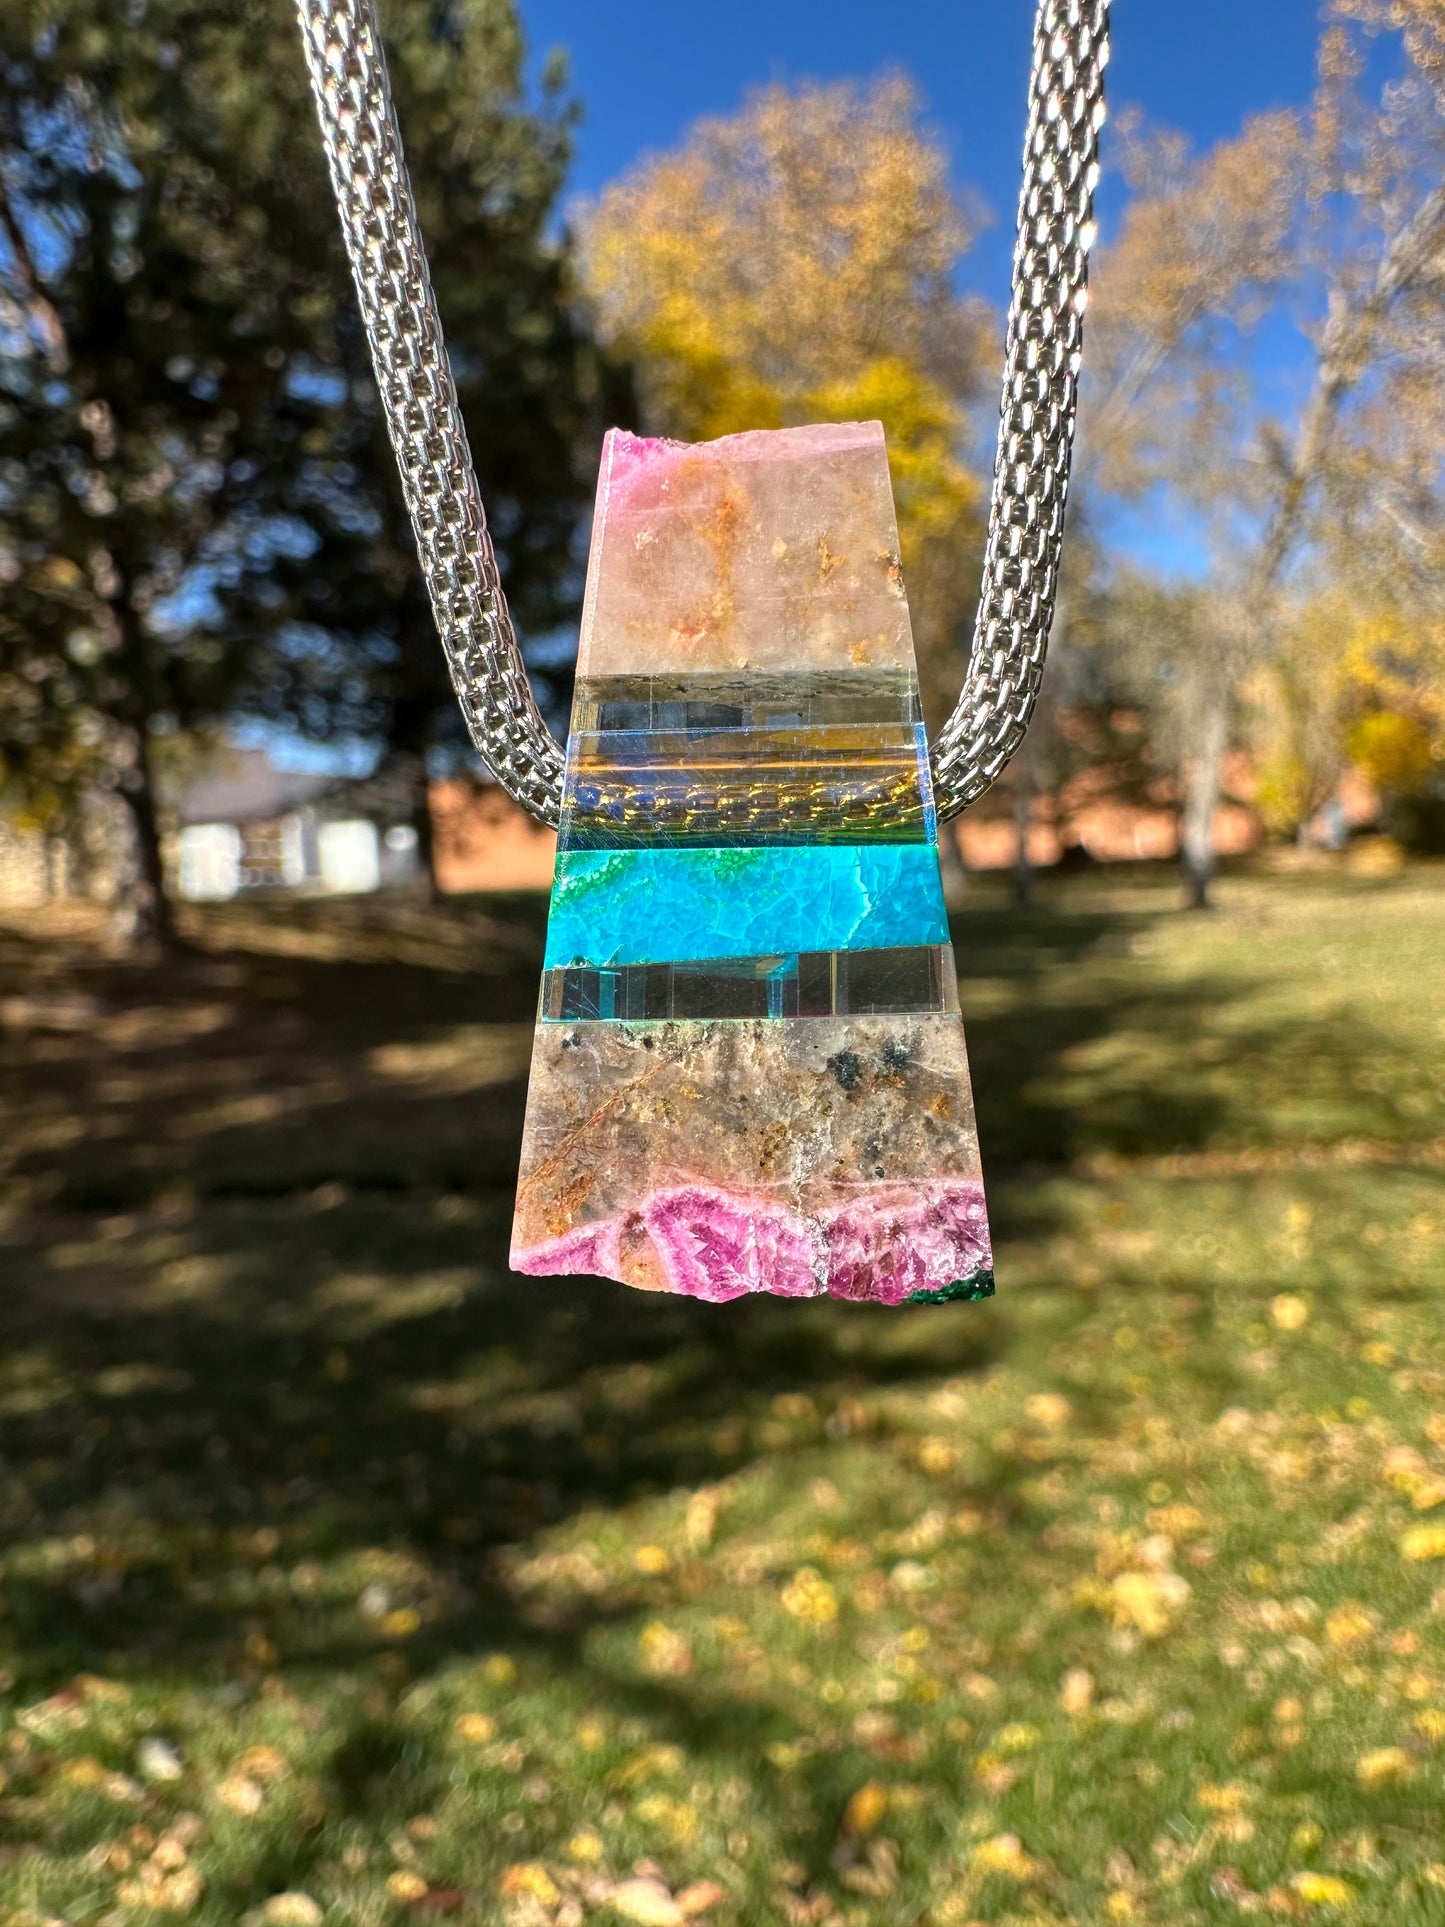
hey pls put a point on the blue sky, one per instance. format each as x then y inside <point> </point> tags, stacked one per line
<point>644,70</point>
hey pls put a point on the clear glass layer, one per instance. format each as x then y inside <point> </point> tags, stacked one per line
<point>880,698</point>
<point>839,783</point>
<point>817,983</point>
<point>693,761</point>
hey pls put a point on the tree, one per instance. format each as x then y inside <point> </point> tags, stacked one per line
<point>1204,250</point>
<point>487,170</point>
<point>1338,216</point>
<point>198,518</point>
<point>1086,740</point>
<point>794,263</point>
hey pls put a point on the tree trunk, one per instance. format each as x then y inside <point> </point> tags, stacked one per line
<point>951,862</point>
<point>1203,782</point>
<point>57,881</point>
<point>143,917</point>
<point>1023,815</point>
<point>425,827</point>
<point>143,910</point>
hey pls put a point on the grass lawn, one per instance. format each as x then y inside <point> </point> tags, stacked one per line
<point>346,1578</point>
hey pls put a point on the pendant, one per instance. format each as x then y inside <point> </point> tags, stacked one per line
<point>749,1071</point>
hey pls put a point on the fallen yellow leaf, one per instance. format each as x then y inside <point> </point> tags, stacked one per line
<point>1076,1695</point>
<point>1049,1409</point>
<point>241,1794</point>
<point>663,1650</point>
<point>1004,1854</point>
<point>865,1810</point>
<point>1177,1521</point>
<point>292,1910</point>
<point>528,1880</point>
<point>1016,1738</point>
<point>1150,1601</point>
<point>647,1903</point>
<point>1347,1625</point>
<point>651,1763</point>
<point>1232,1798</point>
<point>700,1898</point>
<point>676,1818</point>
<point>1322,1889</point>
<point>1383,1766</point>
<point>809,1597</point>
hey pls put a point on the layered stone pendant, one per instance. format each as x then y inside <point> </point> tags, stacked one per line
<point>749,1071</point>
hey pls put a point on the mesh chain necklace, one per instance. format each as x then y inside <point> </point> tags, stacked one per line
<point>749,1071</point>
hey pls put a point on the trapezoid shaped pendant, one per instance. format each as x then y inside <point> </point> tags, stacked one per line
<point>749,1071</point>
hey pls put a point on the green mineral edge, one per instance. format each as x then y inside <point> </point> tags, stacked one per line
<point>970,1290</point>
<point>614,907</point>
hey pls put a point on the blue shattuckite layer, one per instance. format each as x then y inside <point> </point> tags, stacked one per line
<point>671,905</point>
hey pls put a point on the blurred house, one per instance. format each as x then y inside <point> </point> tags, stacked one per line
<point>246,824</point>
<point>482,840</point>
<point>485,841</point>
<point>34,868</point>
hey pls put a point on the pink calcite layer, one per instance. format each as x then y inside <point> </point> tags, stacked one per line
<point>718,1245</point>
<point>719,1158</point>
<point>776,550</point>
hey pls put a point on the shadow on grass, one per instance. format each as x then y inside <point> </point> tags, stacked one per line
<point>189,1450</point>
<point>299,1341</point>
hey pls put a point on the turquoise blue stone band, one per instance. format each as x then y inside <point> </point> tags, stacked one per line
<point>640,906</point>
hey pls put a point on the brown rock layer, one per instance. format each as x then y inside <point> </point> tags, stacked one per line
<point>808,1114</point>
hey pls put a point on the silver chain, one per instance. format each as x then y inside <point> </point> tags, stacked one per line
<point>1040,401</point>
<point>1036,428</point>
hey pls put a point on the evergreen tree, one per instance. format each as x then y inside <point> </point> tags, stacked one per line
<point>198,514</point>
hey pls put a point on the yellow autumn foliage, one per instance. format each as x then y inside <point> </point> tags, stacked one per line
<point>793,263</point>
<point>1392,749</point>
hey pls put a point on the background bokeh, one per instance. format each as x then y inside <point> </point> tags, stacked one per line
<point>346,1578</point>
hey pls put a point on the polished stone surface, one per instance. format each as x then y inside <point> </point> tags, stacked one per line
<point>640,905</point>
<point>765,551</point>
<point>749,1072</point>
<point>848,1142</point>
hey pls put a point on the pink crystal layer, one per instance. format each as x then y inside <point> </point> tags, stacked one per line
<point>775,550</point>
<point>882,1247</point>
